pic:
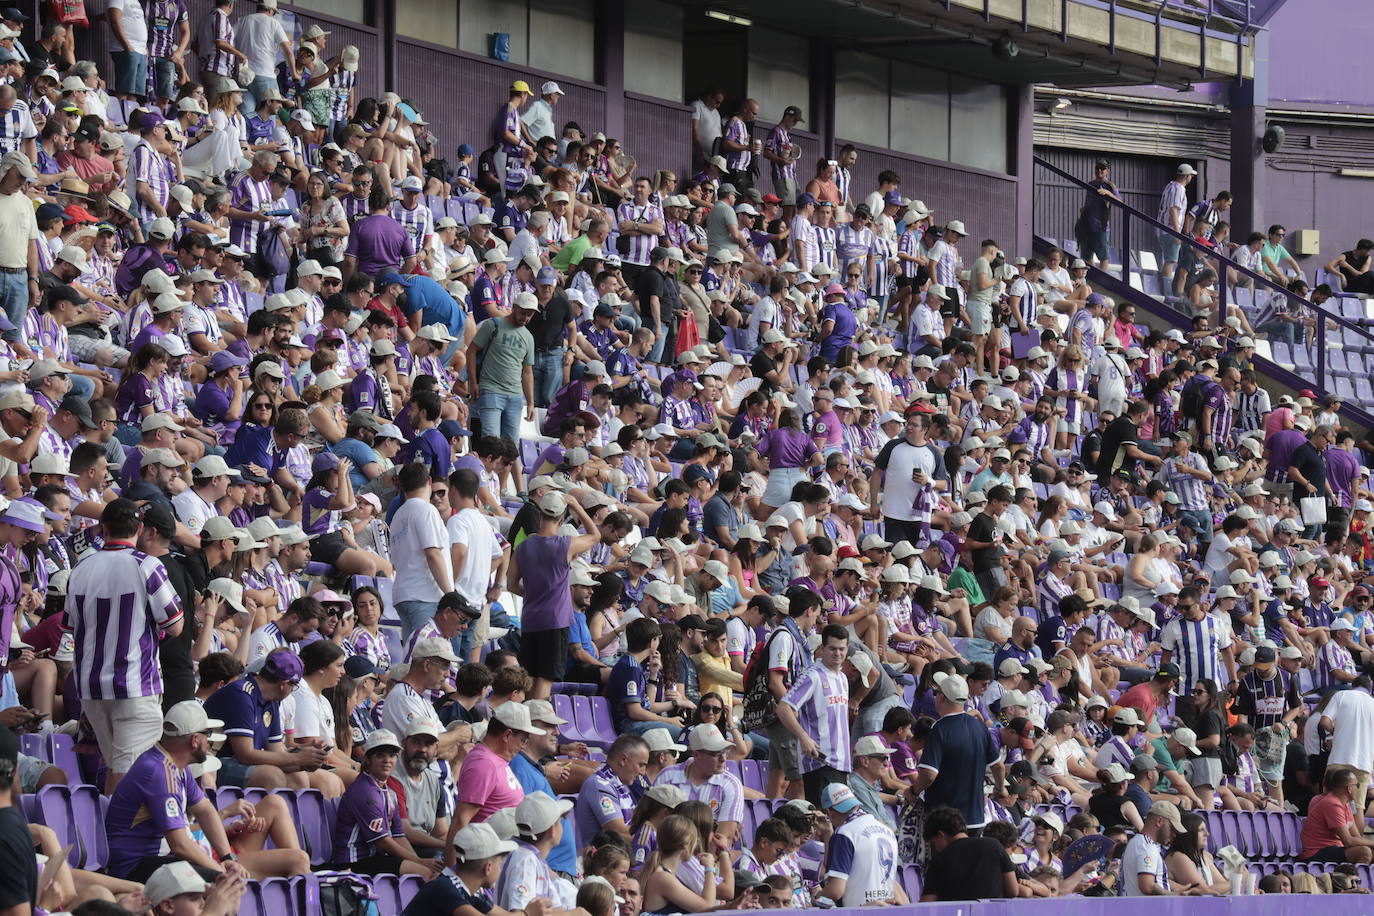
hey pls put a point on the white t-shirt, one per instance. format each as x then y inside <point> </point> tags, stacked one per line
<point>1352,712</point>
<point>706,123</point>
<point>314,715</point>
<point>193,510</point>
<point>415,528</point>
<point>470,527</point>
<point>403,706</point>
<point>132,22</point>
<point>1142,857</point>
<point>260,36</point>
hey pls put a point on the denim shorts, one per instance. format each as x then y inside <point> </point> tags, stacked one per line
<point>131,73</point>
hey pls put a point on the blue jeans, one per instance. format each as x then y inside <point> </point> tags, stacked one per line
<point>639,728</point>
<point>255,92</point>
<point>415,614</point>
<point>628,321</point>
<point>501,414</point>
<point>14,299</point>
<point>1286,331</point>
<point>164,78</point>
<point>131,73</point>
<point>548,375</point>
<point>660,338</point>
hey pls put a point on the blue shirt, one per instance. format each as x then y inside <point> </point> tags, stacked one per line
<point>562,857</point>
<point>960,749</point>
<point>431,448</point>
<point>246,713</point>
<point>626,685</point>
<point>425,295</point>
<point>580,635</point>
<point>360,454</point>
<point>718,513</point>
<point>443,896</point>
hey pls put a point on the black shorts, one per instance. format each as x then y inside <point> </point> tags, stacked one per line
<point>544,653</point>
<point>906,282</point>
<point>379,863</point>
<point>1329,854</point>
<point>583,673</point>
<point>327,548</point>
<point>950,309</point>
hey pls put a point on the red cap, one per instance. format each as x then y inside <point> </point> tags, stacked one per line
<point>1359,590</point>
<point>1319,582</point>
<point>920,407</point>
<point>772,199</point>
<point>847,552</point>
<point>79,214</point>
<point>1307,393</point>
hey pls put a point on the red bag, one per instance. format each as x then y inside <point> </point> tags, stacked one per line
<point>70,12</point>
<point>687,335</point>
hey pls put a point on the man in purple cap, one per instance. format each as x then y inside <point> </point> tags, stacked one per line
<point>120,605</point>
<point>149,168</point>
<point>255,754</point>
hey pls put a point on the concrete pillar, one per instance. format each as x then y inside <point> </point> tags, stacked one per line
<point>610,62</point>
<point>1021,159</point>
<point>1249,99</point>
<point>822,111</point>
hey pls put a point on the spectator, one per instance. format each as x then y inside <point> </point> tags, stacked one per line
<point>965,867</point>
<point>861,857</point>
<point>1143,872</point>
<point>370,838</point>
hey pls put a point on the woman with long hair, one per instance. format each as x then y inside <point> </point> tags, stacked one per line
<point>315,723</point>
<point>1141,573</point>
<point>324,226</point>
<point>326,413</point>
<point>1067,383</point>
<point>603,617</point>
<point>1192,870</point>
<point>664,892</point>
<point>1109,803</point>
<point>135,398</point>
<point>1208,722</point>
<point>783,455</point>
<point>743,559</point>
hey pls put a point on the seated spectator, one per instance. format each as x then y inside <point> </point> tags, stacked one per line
<point>369,838</point>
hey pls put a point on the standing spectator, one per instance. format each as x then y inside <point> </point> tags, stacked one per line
<point>538,117</point>
<point>218,56</point>
<point>1307,473</point>
<point>261,37</point>
<point>815,710</point>
<point>119,605</point>
<point>640,222</point>
<point>1093,227</point>
<point>18,251</point>
<point>1349,719</point>
<point>1173,205</point>
<point>958,751</point>
<point>128,47</point>
<point>782,164</point>
<point>738,146</point>
<point>505,379</point>
<point>539,572</point>
<point>706,128</point>
<point>964,867</point>
<point>378,242</point>
<point>170,36</point>
<point>420,546</point>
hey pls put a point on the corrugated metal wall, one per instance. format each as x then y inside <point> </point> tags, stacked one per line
<point>986,203</point>
<point>1139,179</point>
<point>462,95</point>
<point>658,134</point>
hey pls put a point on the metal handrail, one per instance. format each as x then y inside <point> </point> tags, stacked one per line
<point>1323,314</point>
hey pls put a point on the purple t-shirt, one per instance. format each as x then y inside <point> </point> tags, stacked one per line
<point>151,801</point>
<point>135,394</point>
<point>1282,445</point>
<point>786,448</point>
<point>379,243</point>
<point>544,568</point>
<point>1341,468</point>
<point>367,813</point>
<point>210,406</point>
<point>149,334</point>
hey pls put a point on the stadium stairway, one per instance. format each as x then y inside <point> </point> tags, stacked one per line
<point>1339,360</point>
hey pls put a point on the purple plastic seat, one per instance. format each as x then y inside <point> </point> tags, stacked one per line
<point>272,897</point>
<point>34,746</point>
<point>313,817</point>
<point>602,726</point>
<point>563,708</point>
<point>77,816</point>
<point>410,886</point>
<point>63,756</point>
<point>387,888</point>
<point>1216,831</point>
<point>1290,834</point>
<point>909,876</point>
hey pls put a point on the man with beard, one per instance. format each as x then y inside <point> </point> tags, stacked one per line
<point>426,802</point>
<point>158,798</point>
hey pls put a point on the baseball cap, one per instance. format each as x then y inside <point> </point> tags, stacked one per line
<point>188,718</point>
<point>381,738</point>
<point>871,746</point>
<point>1167,809</point>
<point>512,715</point>
<point>838,797</point>
<point>539,811</point>
<point>173,880</point>
<point>283,666</point>
<point>437,648</point>
<point>707,738</point>
<point>476,842</point>
<point>952,686</point>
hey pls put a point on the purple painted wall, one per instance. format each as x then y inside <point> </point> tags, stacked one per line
<point>1319,52</point>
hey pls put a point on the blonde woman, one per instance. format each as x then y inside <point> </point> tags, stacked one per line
<point>1067,383</point>
<point>326,412</point>
<point>679,842</point>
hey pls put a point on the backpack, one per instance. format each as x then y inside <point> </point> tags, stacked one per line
<point>758,699</point>
<point>1192,400</point>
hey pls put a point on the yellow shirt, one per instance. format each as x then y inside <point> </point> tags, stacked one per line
<point>717,676</point>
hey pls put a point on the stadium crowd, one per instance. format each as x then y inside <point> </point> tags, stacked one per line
<point>545,537</point>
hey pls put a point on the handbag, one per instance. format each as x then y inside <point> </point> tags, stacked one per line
<point>687,335</point>
<point>340,894</point>
<point>1313,509</point>
<point>70,12</point>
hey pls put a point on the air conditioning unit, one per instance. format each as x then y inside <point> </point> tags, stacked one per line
<point>1305,241</point>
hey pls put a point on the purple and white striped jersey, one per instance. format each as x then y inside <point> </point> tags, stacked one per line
<point>343,82</point>
<point>164,18</point>
<point>853,245</point>
<point>150,168</point>
<point>778,140</point>
<point>1191,490</point>
<point>640,245</point>
<point>1331,657</point>
<point>826,245</point>
<point>354,207</point>
<point>804,236</point>
<point>119,602</point>
<point>723,791</point>
<point>842,180</point>
<point>251,196</point>
<point>947,263</point>
<point>1196,647</point>
<point>16,126</point>
<point>11,589</point>
<point>418,223</point>
<point>909,243</point>
<point>736,131</point>
<point>821,698</point>
<point>1108,629</point>
<point>216,28</point>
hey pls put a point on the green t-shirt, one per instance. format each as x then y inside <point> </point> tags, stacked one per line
<point>962,578</point>
<point>1276,253</point>
<point>981,268</point>
<point>571,253</point>
<point>506,350</point>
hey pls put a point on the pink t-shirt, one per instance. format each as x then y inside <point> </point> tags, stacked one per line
<point>827,431</point>
<point>487,780</point>
<point>1279,418</point>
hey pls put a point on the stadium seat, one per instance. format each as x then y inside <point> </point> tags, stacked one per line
<point>34,746</point>
<point>387,889</point>
<point>271,897</point>
<point>77,815</point>
<point>909,876</point>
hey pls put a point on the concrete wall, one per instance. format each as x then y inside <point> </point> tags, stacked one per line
<point>1319,52</point>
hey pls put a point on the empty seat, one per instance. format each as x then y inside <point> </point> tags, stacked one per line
<point>77,815</point>
<point>271,897</point>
